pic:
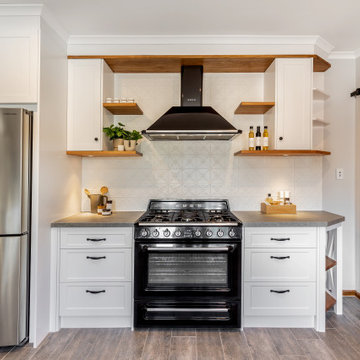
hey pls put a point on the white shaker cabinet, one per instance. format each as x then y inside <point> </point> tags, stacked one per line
<point>90,82</point>
<point>19,59</point>
<point>288,82</point>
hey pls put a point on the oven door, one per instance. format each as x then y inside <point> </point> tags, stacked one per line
<point>187,269</point>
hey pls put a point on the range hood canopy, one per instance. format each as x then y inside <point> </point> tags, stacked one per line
<point>191,120</point>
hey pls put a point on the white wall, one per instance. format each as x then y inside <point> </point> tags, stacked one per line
<point>357,136</point>
<point>339,195</point>
<point>57,177</point>
<point>199,169</point>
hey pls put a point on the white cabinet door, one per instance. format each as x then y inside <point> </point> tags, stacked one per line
<point>293,120</point>
<point>85,109</point>
<point>19,59</point>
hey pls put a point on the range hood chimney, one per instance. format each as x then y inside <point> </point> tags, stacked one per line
<point>191,120</point>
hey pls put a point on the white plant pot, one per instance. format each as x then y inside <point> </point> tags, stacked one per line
<point>117,142</point>
<point>130,145</point>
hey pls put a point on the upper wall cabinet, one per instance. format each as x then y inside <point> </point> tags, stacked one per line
<point>90,82</point>
<point>288,82</point>
<point>19,59</point>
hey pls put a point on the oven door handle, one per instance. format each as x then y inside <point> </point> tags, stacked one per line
<point>149,309</point>
<point>185,249</point>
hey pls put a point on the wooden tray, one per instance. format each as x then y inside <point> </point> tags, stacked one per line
<point>278,209</point>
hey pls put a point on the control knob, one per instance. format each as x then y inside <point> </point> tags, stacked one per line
<point>166,233</point>
<point>155,233</point>
<point>232,233</point>
<point>177,233</point>
<point>220,233</point>
<point>208,233</point>
<point>197,233</point>
<point>144,232</point>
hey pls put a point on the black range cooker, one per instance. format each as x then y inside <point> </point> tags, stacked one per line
<point>187,265</point>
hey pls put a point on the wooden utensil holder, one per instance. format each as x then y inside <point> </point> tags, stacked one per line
<point>278,209</point>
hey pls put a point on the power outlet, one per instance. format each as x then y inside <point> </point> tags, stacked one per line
<point>339,174</point>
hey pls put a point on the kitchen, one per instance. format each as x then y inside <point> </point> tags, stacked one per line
<point>200,170</point>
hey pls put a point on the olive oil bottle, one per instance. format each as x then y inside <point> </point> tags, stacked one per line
<point>258,139</point>
<point>265,139</point>
<point>251,139</point>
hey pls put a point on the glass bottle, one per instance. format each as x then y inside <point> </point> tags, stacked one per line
<point>265,139</point>
<point>251,139</point>
<point>258,139</point>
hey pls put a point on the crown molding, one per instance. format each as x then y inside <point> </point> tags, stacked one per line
<point>51,20</point>
<point>20,9</point>
<point>342,55</point>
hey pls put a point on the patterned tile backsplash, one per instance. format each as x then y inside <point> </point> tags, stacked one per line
<point>203,169</point>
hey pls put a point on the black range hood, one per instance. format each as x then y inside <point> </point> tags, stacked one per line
<point>191,120</point>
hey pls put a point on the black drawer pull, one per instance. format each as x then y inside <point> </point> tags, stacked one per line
<point>89,239</point>
<point>280,291</point>
<point>96,257</point>
<point>280,239</point>
<point>280,257</point>
<point>95,292</point>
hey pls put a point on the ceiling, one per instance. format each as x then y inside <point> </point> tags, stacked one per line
<point>336,21</point>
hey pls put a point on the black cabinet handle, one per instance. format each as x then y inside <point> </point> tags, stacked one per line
<point>280,239</point>
<point>96,139</point>
<point>280,291</point>
<point>281,138</point>
<point>280,257</point>
<point>96,257</point>
<point>95,292</point>
<point>89,239</point>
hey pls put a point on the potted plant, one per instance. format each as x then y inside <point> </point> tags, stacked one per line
<point>131,140</point>
<point>116,133</point>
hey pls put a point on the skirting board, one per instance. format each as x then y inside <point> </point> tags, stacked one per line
<point>351,293</point>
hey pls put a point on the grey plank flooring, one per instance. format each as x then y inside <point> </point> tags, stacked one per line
<point>340,342</point>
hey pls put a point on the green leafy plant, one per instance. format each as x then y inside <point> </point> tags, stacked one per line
<point>116,132</point>
<point>135,135</point>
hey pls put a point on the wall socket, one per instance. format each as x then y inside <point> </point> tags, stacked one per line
<point>339,174</point>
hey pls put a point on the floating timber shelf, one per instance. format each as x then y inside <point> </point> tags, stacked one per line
<point>254,107</point>
<point>330,301</point>
<point>104,153</point>
<point>211,63</point>
<point>281,153</point>
<point>123,108</point>
<point>330,263</point>
<point>320,95</point>
<point>320,123</point>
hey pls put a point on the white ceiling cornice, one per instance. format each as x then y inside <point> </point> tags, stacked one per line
<point>52,21</point>
<point>20,9</point>
<point>342,55</point>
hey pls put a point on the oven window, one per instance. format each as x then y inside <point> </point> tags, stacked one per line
<point>188,270</point>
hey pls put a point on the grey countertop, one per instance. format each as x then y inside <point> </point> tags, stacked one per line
<point>248,218</point>
<point>301,218</point>
<point>117,219</point>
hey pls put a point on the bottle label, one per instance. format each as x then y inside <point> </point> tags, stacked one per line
<point>251,143</point>
<point>265,141</point>
<point>258,141</point>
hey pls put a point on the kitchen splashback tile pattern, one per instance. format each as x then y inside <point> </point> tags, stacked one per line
<point>202,170</point>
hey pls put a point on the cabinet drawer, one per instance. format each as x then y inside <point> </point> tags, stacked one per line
<point>279,299</point>
<point>280,265</point>
<point>97,238</point>
<point>95,265</point>
<point>95,300</point>
<point>280,238</point>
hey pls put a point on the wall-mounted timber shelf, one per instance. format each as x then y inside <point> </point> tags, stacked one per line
<point>123,108</point>
<point>211,63</point>
<point>104,153</point>
<point>254,107</point>
<point>281,153</point>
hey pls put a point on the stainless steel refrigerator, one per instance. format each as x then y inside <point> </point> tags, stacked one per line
<point>15,220</point>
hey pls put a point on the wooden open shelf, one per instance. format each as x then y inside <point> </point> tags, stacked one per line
<point>211,63</point>
<point>123,108</point>
<point>330,301</point>
<point>104,153</point>
<point>281,153</point>
<point>330,263</point>
<point>320,123</point>
<point>254,107</point>
<point>320,95</point>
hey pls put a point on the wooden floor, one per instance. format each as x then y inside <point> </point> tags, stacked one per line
<point>341,341</point>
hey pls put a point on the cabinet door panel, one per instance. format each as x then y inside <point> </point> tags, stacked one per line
<point>85,104</point>
<point>294,104</point>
